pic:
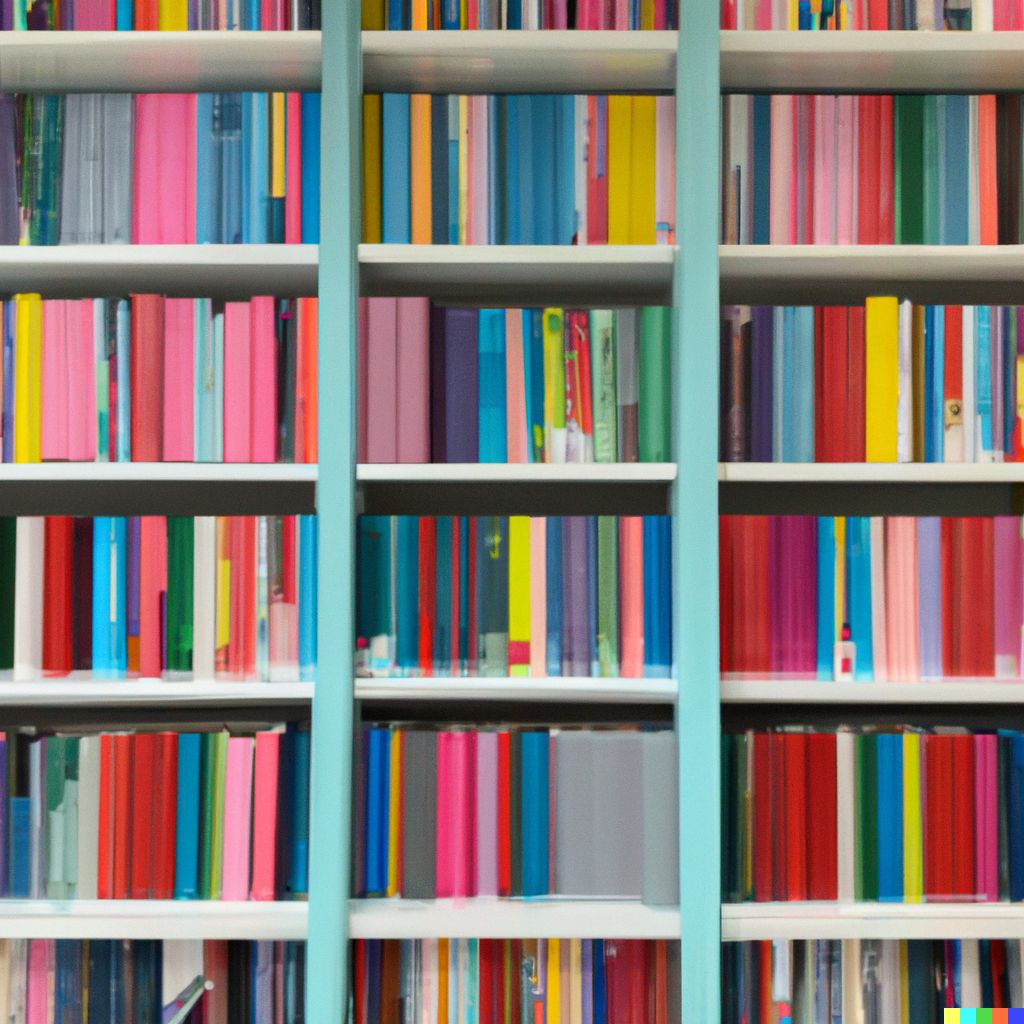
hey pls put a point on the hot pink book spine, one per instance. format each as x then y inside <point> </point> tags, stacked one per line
<point>264,817</point>
<point>486,814</point>
<point>631,595</point>
<point>382,388</point>
<point>412,409</point>
<point>462,753</point>
<point>781,169</point>
<point>263,407</point>
<point>515,387</point>
<point>179,380</point>
<point>237,818</point>
<point>665,170</point>
<point>293,169</point>
<point>37,991</point>
<point>1008,585</point>
<point>152,587</point>
<point>94,16</point>
<point>361,378</point>
<point>538,597</point>
<point>55,382</point>
<point>82,420</point>
<point>237,382</point>
<point>444,870</point>
<point>986,810</point>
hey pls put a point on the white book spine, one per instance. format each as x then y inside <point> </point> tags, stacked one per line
<point>204,605</point>
<point>970,399</point>
<point>28,597</point>
<point>88,816</point>
<point>970,973</point>
<point>845,815</point>
<point>582,155</point>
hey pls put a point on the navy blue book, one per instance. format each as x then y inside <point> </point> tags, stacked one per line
<point>101,956</point>
<point>454,430</point>
<point>1016,821</point>
<point>890,817</point>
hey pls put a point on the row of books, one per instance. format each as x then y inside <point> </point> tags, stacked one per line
<point>168,168</point>
<point>71,981</point>
<point>542,170</point>
<point>869,815</point>
<point>228,597</point>
<point>953,15</point>
<point>444,384</point>
<point>515,595</point>
<point>892,599</point>
<point>150,15</point>
<point>869,981</point>
<point>872,169</point>
<point>516,812</point>
<point>151,379</point>
<point>155,815</point>
<point>883,382</point>
<point>507,981</point>
<point>525,14</point>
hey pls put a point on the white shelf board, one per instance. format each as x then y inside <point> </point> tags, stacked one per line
<point>157,472</point>
<point>519,62</point>
<point>149,693</point>
<point>885,62</point>
<point>553,690</point>
<point>871,472</point>
<point>147,919</point>
<point>511,919</point>
<point>159,61</point>
<point>790,691</point>
<point>511,473</point>
<point>747,922</point>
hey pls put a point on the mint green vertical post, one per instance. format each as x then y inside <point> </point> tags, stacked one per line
<point>695,506</point>
<point>331,779</point>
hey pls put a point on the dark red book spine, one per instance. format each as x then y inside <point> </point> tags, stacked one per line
<point>962,775</point>
<point>886,172</point>
<point>939,818</point>
<point>165,805</point>
<point>140,813</point>
<point>727,525</point>
<point>976,597</point>
<point>796,815</point>
<point>122,823</point>
<point>147,374</point>
<point>486,1012</point>
<point>58,558</point>
<point>779,846</point>
<point>822,862</point>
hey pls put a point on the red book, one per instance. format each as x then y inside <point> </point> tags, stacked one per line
<point>856,386</point>
<point>938,824</point>
<point>868,156</point>
<point>105,852</point>
<point>142,771</point>
<point>122,766</point>
<point>964,886</point>
<point>165,808</point>
<point>762,819</point>
<point>147,17</point>
<point>976,585</point>
<point>597,173</point>
<point>726,593</point>
<point>485,983</point>
<point>832,405</point>
<point>640,1009</point>
<point>822,855</point>
<point>359,983</point>
<point>878,15</point>
<point>57,587</point>
<point>617,969</point>
<point>147,374</point>
<point>504,816</point>
<point>428,592</point>
<point>797,825</point>
<point>949,570</point>
<point>779,845</point>
<point>886,173</point>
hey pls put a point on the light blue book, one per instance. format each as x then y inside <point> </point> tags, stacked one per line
<point>311,167</point>
<point>124,382</point>
<point>543,179</point>
<point>203,405</point>
<point>307,597</point>
<point>983,376</point>
<point>186,841</point>
<point>565,169</point>
<point>826,597</point>
<point>936,385</point>
<point>208,186</point>
<point>511,231</point>
<point>102,545</point>
<point>858,581</point>
<point>491,386</point>
<point>525,176</point>
<point>890,817</point>
<point>124,15</point>
<point>955,174</point>
<point>395,168</point>
<point>801,378</point>
<point>119,597</point>
<point>256,139</point>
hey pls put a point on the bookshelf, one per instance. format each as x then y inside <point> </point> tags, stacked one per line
<point>771,692</point>
<point>151,694</point>
<point>578,690</point>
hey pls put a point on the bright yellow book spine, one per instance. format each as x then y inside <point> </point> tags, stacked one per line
<point>839,602</point>
<point>28,378</point>
<point>420,15</point>
<point>223,602</point>
<point>217,839</point>
<point>643,161</point>
<point>913,854</point>
<point>519,595</point>
<point>554,993</point>
<point>394,811</point>
<point>554,377</point>
<point>372,206</point>
<point>647,15</point>
<point>620,144</point>
<point>881,343</point>
<point>172,15</point>
<point>277,145</point>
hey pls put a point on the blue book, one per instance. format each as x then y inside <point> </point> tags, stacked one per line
<point>890,817</point>
<point>543,177</point>
<point>102,545</point>
<point>99,968</point>
<point>514,15</point>
<point>937,383</point>
<point>377,812</point>
<point>251,15</point>
<point>761,219</point>
<point>564,222</point>
<point>407,571</point>
<point>801,376</point>
<point>307,596</point>
<point>553,565</point>
<point>450,14</point>
<point>298,875</point>
<point>396,211</point>
<point>124,378</point>
<point>525,172</point>
<point>20,858</point>
<point>186,842</point>
<point>208,191</point>
<point>443,603</point>
<point>256,139</point>
<point>957,958</point>
<point>858,577</point>
<point>826,597</point>
<point>509,195</point>
<point>955,226</point>
<point>8,384</point>
<point>125,15</point>
<point>1015,816</point>
<point>311,167</point>
<point>491,385</point>
<point>119,599</point>
<point>439,170</point>
<point>657,610</point>
<point>533,378</point>
<point>452,176</point>
<point>495,199</point>
<point>600,1009</point>
<point>534,831</point>
<point>67,986</point>
<point>983,375</point>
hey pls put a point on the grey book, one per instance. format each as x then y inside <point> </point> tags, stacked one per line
<point>118,115</point>
<point>419,807</point>
<point>660,789</point>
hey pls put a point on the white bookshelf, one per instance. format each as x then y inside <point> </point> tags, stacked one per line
<point>156,472</point>
<point>563,690</point>
<point>150,694</point>
<point>515,473</point>
<point>808,692</point>
<point>871,472</point>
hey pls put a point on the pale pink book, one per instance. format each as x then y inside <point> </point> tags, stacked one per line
<point>179,380</point>
<point>846,129</point>
<point>631,595</point>
<point>237,382</point>
<point>986,817</point>
<point>445,857</point>
<point>37,991</point>
<point>381,385</point>
<point>620,10</point>
<point>477,232</point>
<point>515,388</point>
<point>152,587</point>
<point>1009,581</point>
<point>879,647</point>
<point>264,815</point>
<point>823,116</point>
<point>763,16</point>
<point>293,169</point>
<point>665,170</point>
<point>81,347</point>
<point>361,379</point>
<point>902,610</point>
<point>263,393</point>
<point>164,192</point>
<point>55,382</point>
<point>538,597</point>
<point>781,174</point>
<point>412,398</point>
<point>486,814</point>
<point>237,819</point>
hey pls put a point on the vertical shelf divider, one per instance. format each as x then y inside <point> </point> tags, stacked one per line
<point>695,506</point>
<point>327,969</point>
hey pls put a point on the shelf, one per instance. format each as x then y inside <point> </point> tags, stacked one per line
<point>560,690</point>
<point>797,692</point>
<point>159,61</point>
<point>146,919</point>
<point>480,918</point>
<point>747,922</point>
<point>150,694</point>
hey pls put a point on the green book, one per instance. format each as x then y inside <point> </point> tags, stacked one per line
<point>208,768</point>
<point>869,820</point>
<point>54,825</point>
<point>180,588</point>
<point>220,762</point>
<point>908,133</point>
<point>602,357</point>
<point>730,853</point>
<point>8,529</point>
<point>933,139</point>
<point>655,379</point>
<point>608,595</point>
<point>858,818</point>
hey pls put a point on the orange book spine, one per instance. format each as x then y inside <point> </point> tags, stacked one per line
<point>988,188</point>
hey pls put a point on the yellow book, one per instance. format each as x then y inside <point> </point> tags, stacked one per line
<point>647,15</point>
<point>643,162</point>
<point>277,147</point>
<point>554,386</point>
<point>913,854</point>
<point>620,145</point>
<point>463,13</point>
<point>372,207</point>
<point>794,15</point>
<point>519,595</point>
<point>420,15</point>
<point>443,953</point>
<point>373,15</point>
<point>881,345</point>
<point>839,602</point>
<point>394,811</point>
<point>28,378</point>
<point>554,982</point>
<point>220,761</point>
<point>463,106</point>
<point>172,15</point>
<point>904,984</point>
<point>419,169</point>
<point>575,982</point>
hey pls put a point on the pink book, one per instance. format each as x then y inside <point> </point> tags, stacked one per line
<point>412,368</point>
<point>237,819</point>
<point>486,814</point>
<point>55,382</point>
<point>879,647</point>
<point>665,170</point>
<point>444,869</point>
<point>846,127</point>
<point>263,407</point>
<point>823,117</point>
<point>781,176</point>
<point>264,815</point>
<point>901,599</point>
<point>515,388</point>
<point>37,991</point>
<point>620,9</point>
<point>381,387</point>
<point>538,598</point>
<point>802,210</point>
<point>237,382</point>
<point>179,380</point>
<point>164,203</point>
<point>631,595</point>
<point>477,228</point>
<point>293,169</point>
<point>82,420</point>
<point>94,16</point>
<point>456,794</point>
<point>361,380</point>
<point>986,811</point>
<point>152,591</point>
<point>1009,581</point>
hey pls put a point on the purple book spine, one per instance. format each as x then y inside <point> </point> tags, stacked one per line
<point>438,335</point>
<point>576,610</point>
<point>6,15</point>
<point>460,395</point>
<point>9,219</point>
<point>761,384</point>
<point>587,977</point>
<point>930,596</point>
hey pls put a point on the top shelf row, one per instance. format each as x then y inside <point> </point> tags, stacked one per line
<point>498,61</point>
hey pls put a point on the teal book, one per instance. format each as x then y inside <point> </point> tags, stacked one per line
<point>493,436</point>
